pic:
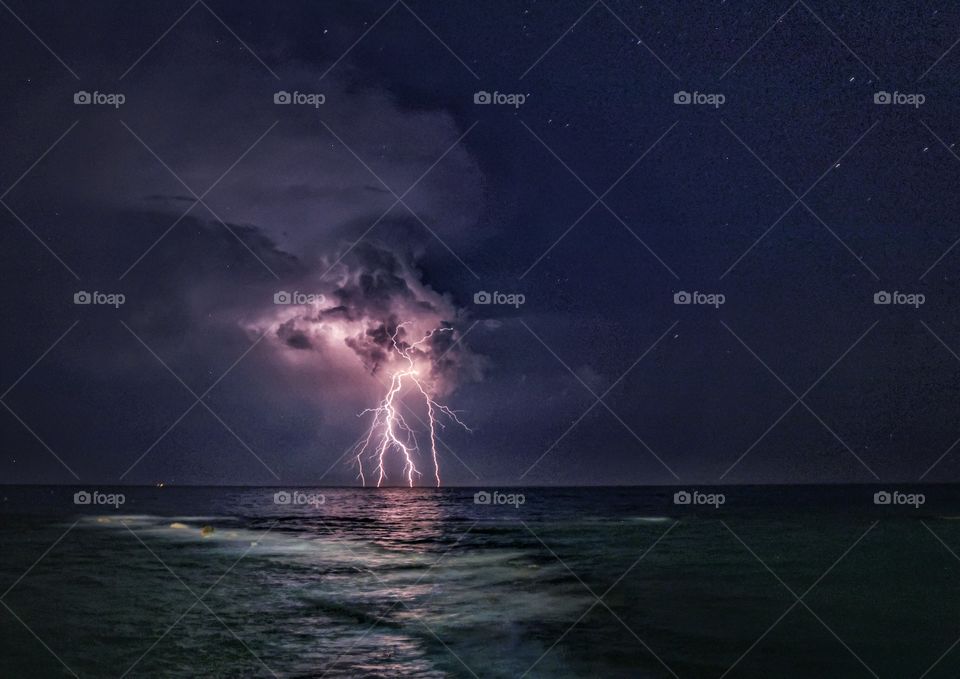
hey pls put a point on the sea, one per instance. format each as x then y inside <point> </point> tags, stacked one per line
<point>732,581</point>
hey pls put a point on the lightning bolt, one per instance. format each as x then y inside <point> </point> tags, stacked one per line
<point>389,431</point>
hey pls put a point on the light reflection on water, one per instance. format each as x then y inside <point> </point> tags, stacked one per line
<point>423,583</point>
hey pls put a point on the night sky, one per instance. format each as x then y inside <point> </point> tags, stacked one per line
<point>597,198</point>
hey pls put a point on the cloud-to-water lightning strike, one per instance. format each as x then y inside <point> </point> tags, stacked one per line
<point>389,430</point>
<point>375,317</point>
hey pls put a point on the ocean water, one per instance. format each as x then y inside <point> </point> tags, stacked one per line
<point>589,582</point>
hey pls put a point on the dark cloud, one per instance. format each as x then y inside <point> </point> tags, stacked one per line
<point>295,339</point>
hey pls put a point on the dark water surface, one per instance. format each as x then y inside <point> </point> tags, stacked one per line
<point>591,582</point>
